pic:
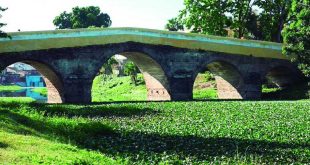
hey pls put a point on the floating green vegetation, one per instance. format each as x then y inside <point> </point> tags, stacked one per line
<point>218,132</point>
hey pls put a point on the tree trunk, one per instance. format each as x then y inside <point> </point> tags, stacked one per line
<point>283,15</point>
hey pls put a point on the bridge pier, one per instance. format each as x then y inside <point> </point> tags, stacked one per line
<point>252,87</point>
<point>168,61</point>
<point>181,89</point>
<point>77,90</point>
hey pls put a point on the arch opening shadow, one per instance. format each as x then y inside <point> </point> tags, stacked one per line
<point>284,83</point>
<point>281,77</point>
<point>41,76</point>
<point>152,84</point>
<point>228,81</point>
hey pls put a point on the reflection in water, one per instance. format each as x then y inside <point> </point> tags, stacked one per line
<point>25,92</point>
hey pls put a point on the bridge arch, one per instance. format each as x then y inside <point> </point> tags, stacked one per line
<point>53,82</point>
<point>282,76</point>
<point>156,81</point>
<point>229,81</point>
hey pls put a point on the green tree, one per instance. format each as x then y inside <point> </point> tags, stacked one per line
<point>82,17</point>
<point>107,67</point>
<point>2,34</point>
<point>205,16</point>
<point>242,17</point>
<point>297,35</point>
<point>174,24</point>
<point>131,70</point>
<point>218,17</point>
<point>241,11</point>
<point>272,18</point>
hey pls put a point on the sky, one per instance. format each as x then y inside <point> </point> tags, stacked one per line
<point>34,15</point>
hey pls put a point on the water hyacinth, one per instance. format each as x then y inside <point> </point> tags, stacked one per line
<point>229,132</point>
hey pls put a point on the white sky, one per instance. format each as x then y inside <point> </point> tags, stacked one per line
<point>33,15</point>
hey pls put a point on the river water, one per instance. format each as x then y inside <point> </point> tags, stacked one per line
<point>25,92</point>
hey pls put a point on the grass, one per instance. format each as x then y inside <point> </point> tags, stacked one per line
<point>42,91</point>
<point>230,132</point>
<point>206,93</point>
<point>10,88</point>
<point>114,88</point>
<point>204,87</point>
<point>21,149</point>
<point>16,100</point>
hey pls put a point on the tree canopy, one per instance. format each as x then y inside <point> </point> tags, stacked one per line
<point>107,67</point>
<point>297,35</point>
<point>2,34</point>
<point>82,17</point>
<point>131,70</point>
<point>252,19</point>
<point>174,24</point>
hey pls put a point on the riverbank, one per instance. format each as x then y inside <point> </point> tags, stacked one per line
<point>16,100</point>
<point>10,88</point>
<point>41,90</point>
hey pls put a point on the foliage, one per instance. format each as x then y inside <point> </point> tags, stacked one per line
<point>3,34</point>
<point>297,35</point>
<point>107,67</point>
<point>272,19</point>
<point>237,18</point>
<point>209,76</point>
<point>240,11</point>
<point>230,132</point>
<point>174,24</point>
<point>82,17</point>
<point>130,69</point>
<point>205,16</point>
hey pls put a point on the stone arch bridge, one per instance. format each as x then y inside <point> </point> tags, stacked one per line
<point>70,59</point>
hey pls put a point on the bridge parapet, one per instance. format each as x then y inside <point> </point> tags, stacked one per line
<point>28,41</point>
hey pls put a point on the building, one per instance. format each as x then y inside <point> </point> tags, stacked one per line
<point>34,81</point>
<point>21,74</point>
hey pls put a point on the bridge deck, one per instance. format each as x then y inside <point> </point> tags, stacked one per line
<point>40,40</point>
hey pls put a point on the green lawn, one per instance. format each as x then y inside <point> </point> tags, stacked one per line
<point>207,93</point>
<point>204,87</point>
<point>231,132</point>
<point>121,89</point>
<point>114,88</point>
